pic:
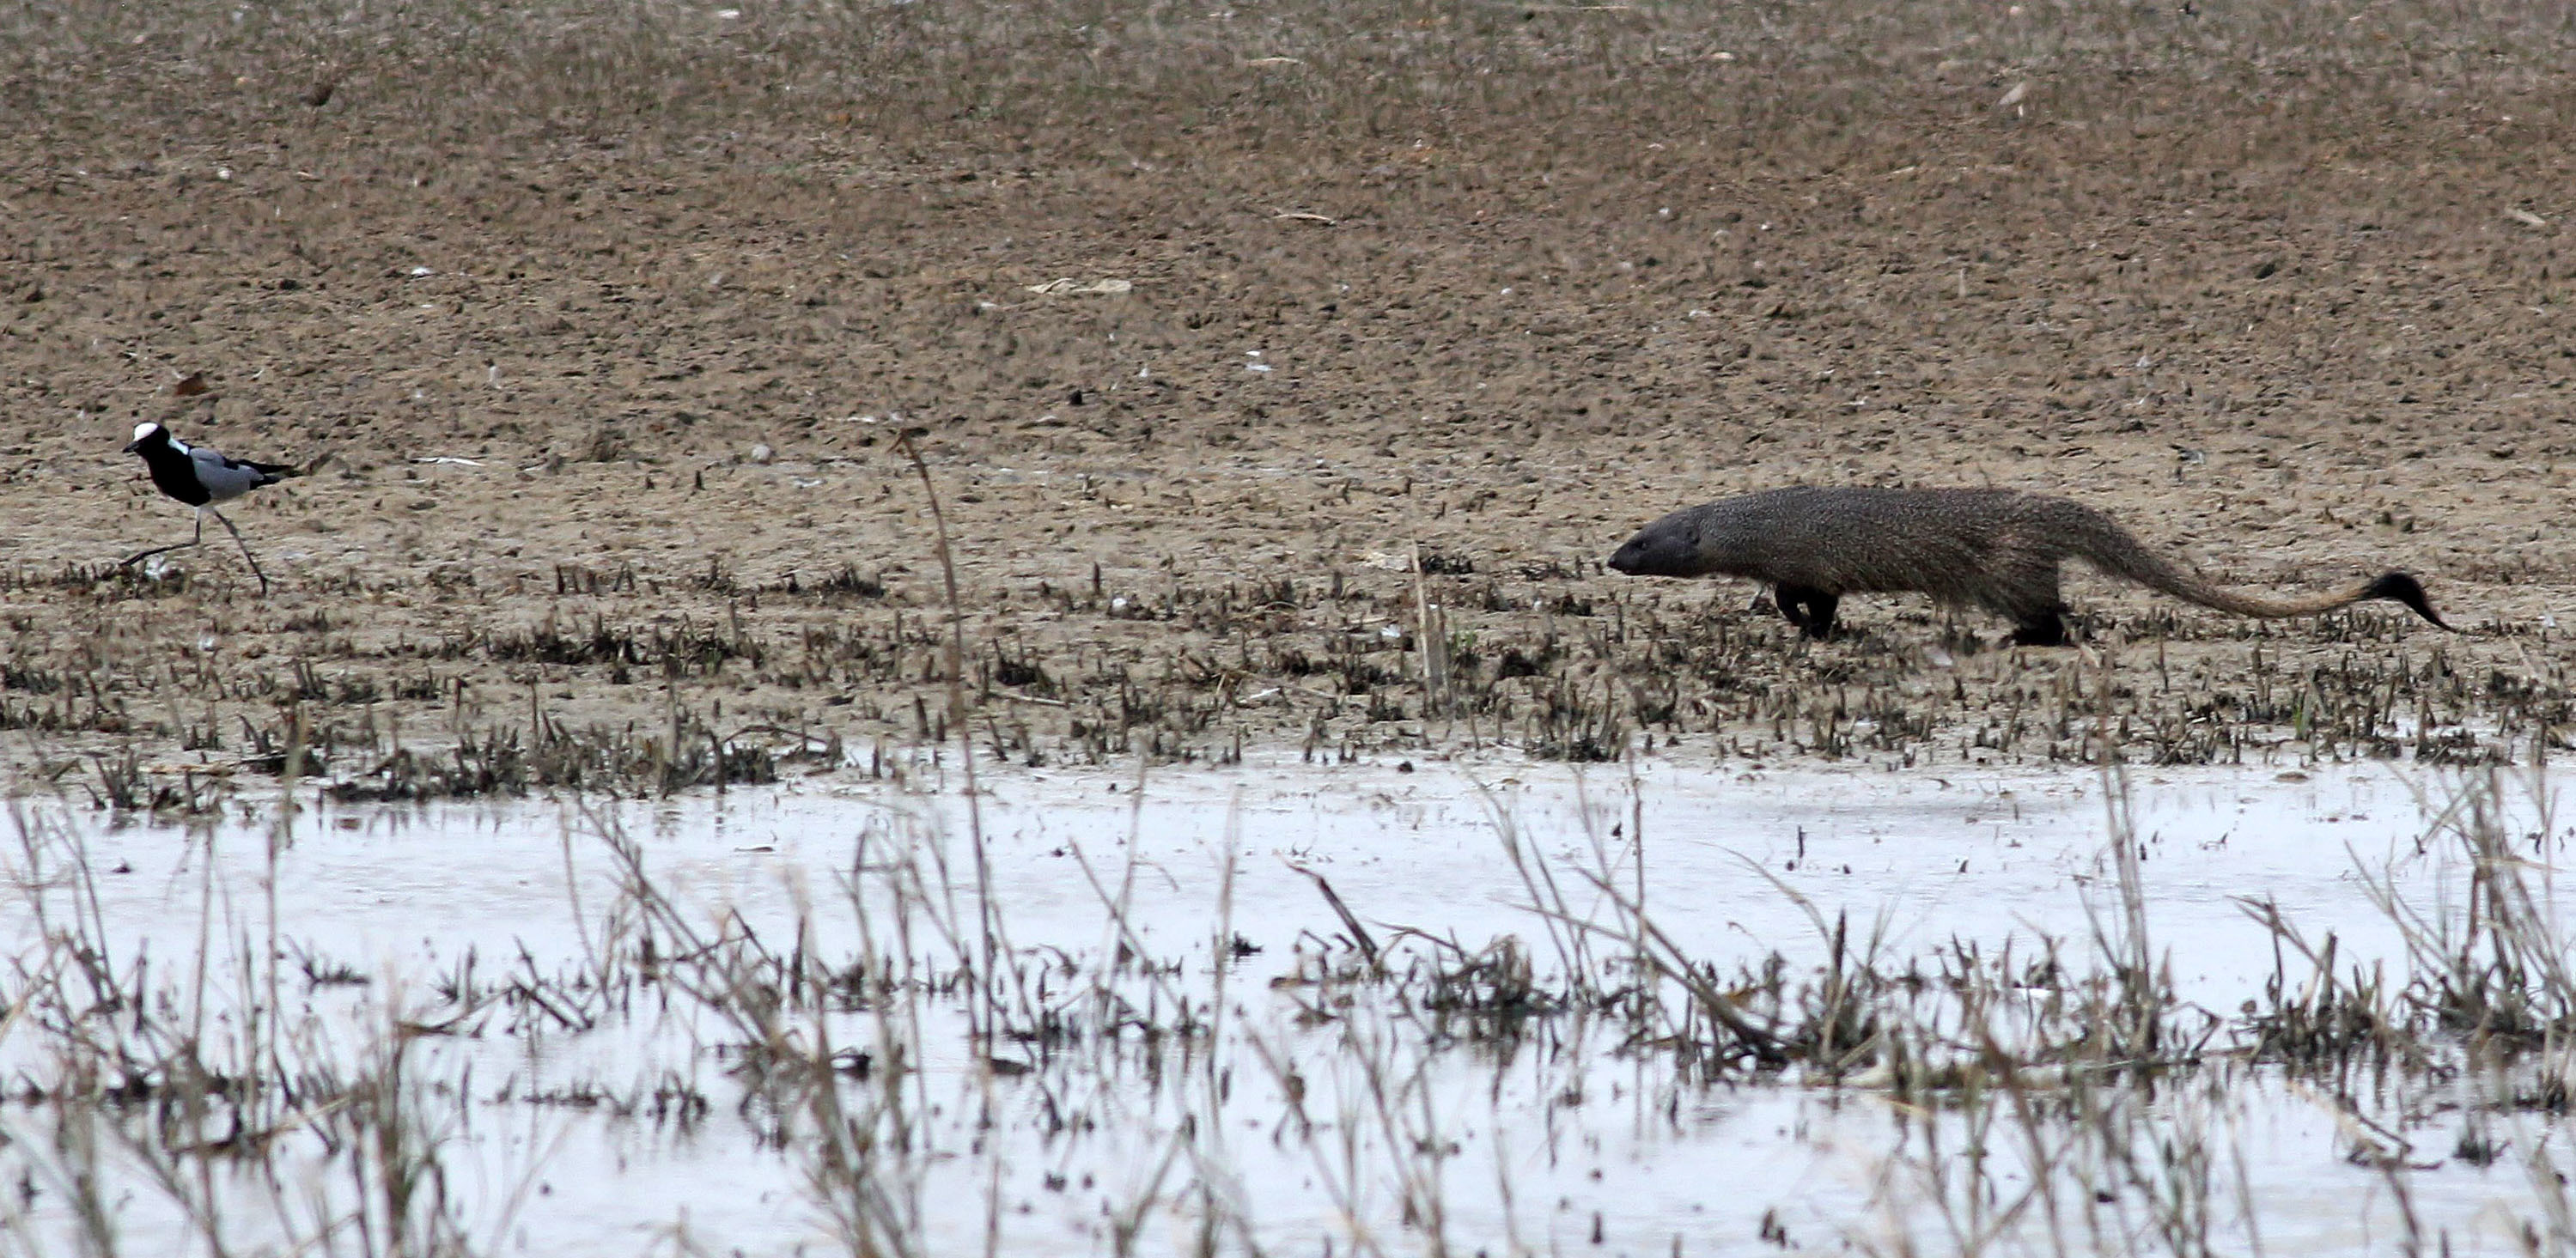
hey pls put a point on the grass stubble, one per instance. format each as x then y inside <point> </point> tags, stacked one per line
<point>1400,679</point>
<point>890,1042</point>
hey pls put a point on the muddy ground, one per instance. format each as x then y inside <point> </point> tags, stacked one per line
<point>608,319</point>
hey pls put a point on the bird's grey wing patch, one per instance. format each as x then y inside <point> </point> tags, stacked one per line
<point>224,478</point>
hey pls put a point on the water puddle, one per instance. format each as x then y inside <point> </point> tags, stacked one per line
<point>577,1027</point>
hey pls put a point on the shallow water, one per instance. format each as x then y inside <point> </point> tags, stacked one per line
<point>1573,1127</point>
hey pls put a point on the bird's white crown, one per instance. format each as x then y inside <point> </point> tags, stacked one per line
<point>145,429</point>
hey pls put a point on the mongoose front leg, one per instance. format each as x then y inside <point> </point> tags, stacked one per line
<point>1809,609</point>
<point>2046,628</point>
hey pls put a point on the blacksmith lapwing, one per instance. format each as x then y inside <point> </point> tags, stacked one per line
<point>201,478</point>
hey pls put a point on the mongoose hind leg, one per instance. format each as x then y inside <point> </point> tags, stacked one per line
<point>1809,609</point>
<point>2046,628</point>
<point>2028,593</point>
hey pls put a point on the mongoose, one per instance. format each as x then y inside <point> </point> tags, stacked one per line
<point>1993,548</point>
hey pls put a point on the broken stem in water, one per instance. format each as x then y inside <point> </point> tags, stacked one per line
<point>988,980</point>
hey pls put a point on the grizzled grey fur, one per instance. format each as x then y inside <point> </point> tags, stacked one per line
<point>1999,549</point>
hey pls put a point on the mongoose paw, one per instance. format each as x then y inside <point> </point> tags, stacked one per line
<point>2049,631</point>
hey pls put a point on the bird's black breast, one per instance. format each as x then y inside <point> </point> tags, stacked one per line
<point>174,474</point>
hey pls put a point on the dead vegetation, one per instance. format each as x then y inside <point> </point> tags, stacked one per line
<point>803,675</point>
<point>898,1041</point>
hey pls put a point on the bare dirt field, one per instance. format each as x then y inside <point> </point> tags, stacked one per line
<point>609,317</point>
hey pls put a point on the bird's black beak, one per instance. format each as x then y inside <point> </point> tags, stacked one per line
<point>131,446</point>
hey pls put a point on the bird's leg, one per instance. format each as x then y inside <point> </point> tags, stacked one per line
<point>245,547</point>
<point>141,555</point>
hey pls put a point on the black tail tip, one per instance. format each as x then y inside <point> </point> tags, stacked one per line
<point>2397,587</point>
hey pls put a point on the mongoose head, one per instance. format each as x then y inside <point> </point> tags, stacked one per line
<point>1692,542</point>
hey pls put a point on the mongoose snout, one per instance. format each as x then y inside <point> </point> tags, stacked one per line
<point>1659,552</point>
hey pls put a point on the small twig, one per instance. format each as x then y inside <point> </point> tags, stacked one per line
<point>1359,933</point>
<point>1021,698</point>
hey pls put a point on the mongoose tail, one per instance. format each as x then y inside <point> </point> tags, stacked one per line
<point>2092,536</point>
<point>1996,549</point>
<point>2395,587</point>
<point>2400,588</point>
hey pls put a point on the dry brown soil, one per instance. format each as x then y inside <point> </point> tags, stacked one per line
<point>608,317</point>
